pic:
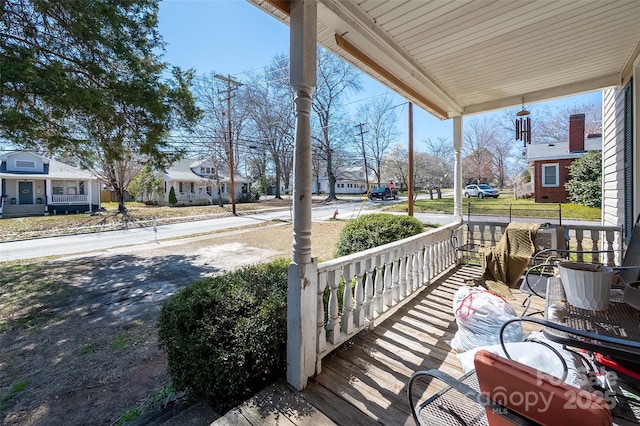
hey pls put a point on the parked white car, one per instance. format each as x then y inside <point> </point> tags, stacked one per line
<point>480,191</point>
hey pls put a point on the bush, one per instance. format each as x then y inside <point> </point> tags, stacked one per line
<point>585,185</point>
<point>172,197</point>
<point>226,336</point>
<point>374,230</point>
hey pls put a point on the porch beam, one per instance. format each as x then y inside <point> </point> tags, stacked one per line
<point>546,94</point>
<point>302,272</point>
<point>457,175</point>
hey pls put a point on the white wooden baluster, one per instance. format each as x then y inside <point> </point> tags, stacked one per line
<point>579,247</point>
<point>402,276</point>
<point>379,287</point>
<point>347,301</point>
<point>333,325</point>
<point>427,265</point>
<point>387,281</point>
<point>414,269</point>
<point>609,237</point>
<point>407,274</point>
<point>358,311</point>
<point>368,291</point>
<point>420,257</point>
<point>397,284</point>
<point>321,333</point>
<point>595,240</point>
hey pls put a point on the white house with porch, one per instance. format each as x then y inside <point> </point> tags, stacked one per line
<point>453,59</point>
<point>350,180</point>
<point>199,182</point>
<point>32,185</point>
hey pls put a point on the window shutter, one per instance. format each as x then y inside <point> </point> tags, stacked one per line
<point>629,220</point>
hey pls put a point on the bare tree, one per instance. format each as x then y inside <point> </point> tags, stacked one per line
<point>396,165</point>
<point>441,148</point>
<point>271,100</point>
<point>479,135</point>
<point>336,79</point>
<point>430,173</point>
<point>379,119</point>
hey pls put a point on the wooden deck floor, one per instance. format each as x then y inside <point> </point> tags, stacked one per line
<point>364,382</point>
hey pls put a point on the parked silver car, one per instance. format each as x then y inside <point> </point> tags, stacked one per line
<point>480,191</point>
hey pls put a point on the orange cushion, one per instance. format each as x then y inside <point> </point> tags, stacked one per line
<point>538,396</point>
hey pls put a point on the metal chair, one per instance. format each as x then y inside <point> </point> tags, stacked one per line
<point>462,402</point>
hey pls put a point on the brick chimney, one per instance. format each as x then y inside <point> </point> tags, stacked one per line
<point>576,132</point>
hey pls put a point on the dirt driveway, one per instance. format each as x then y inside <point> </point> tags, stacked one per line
<point>78,337</point>
<point>85,351</point>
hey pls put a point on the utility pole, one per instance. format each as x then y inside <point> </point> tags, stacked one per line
<point>231,86</point>
<point>364,153</point>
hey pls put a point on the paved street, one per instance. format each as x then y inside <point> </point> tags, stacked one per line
<point>75,244</point>
<point>84,243</point>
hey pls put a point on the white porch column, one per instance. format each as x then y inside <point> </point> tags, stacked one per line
<point>302,282</point>
<point>457,175</point>
<point>48,190</point>
<point>90,185</point>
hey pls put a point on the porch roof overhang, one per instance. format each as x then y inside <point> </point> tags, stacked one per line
<point>462,57</point>
<point>49,176</point>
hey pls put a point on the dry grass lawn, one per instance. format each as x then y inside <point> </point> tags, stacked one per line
<point>324,236</point>
<point>78,337</point>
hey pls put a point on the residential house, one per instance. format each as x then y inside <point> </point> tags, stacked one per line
<point>549,163</point>
<point>452,59</point>
<point>32,185</point>
<point>350,180</point>
<point>196,182</point>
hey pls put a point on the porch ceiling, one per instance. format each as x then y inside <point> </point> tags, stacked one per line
<point>463,57</point>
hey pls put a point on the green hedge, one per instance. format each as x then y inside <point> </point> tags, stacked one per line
<point>374,230</point>
<point>225,337</point>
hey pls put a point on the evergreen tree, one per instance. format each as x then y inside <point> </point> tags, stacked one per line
<point>172,197</point>
<point>585,184</point>
<point>84,78</point>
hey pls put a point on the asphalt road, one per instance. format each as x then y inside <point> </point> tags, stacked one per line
<point>87,243</point>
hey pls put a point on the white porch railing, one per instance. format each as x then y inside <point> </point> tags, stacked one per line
<point>70,199</point>
<point>374,281</point>
<point>191,196</point>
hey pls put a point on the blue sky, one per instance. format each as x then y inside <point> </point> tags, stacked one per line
<point>234,37</point>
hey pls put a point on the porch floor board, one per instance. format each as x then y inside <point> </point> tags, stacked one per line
<point>364,381</point>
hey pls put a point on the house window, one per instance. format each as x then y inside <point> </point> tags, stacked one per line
<point>192,187</point>
<point>81,187</point>
<point>550,175</point>
<point>202,169</point>
<point>208,170</point>
<point>57,187</point>
<point>180,187</point>
<point>245,188</point>
<point>25,164</point>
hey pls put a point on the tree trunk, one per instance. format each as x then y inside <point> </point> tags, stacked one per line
<point>278,180</point>
<point>121,207</point>
<point>332,178</point>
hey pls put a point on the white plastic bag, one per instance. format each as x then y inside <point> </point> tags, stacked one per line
<point>479,315</point>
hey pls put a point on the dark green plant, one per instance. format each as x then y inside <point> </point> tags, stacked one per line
<point>374,230</point>
<point>585,185</point>
<point>172,197</point>
<point>225,336</point>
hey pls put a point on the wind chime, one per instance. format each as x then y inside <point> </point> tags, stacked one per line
<point>523,126</point>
